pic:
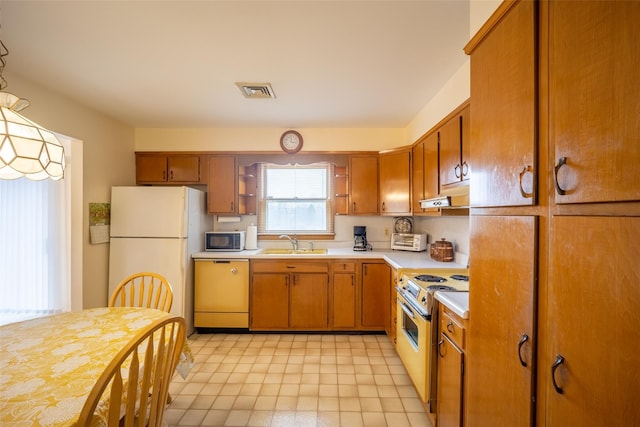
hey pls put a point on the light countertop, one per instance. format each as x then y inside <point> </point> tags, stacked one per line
<point>396,259</point>
<point>458,302</point>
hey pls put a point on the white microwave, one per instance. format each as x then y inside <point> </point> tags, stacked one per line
<point>224,241</point>
<point>409,242</point>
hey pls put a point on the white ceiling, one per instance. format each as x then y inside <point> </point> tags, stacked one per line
<point>331,64</point>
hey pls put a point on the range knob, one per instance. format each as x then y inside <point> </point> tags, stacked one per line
<point>424,300</point>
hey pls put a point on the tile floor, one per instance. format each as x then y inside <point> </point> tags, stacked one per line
<point>299,380</point>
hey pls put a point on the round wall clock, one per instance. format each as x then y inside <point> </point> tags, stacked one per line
<point>291,141</point>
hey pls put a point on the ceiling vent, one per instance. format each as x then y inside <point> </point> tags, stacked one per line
<point>256,90</point>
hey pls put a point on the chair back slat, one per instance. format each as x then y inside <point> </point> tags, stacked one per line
<point>145,289</point>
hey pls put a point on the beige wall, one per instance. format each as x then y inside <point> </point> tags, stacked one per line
<point>266,139</point>
<point>108,159</point>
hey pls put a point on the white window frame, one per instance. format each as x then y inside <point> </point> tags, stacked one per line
<point>263,201</point>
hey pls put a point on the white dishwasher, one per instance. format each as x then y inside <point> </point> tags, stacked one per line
<point>221,294</point>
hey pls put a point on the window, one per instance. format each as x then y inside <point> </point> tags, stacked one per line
<point>295,199</point>
<point>34,253</point>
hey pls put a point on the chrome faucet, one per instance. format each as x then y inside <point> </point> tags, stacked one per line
<point>294,241</point>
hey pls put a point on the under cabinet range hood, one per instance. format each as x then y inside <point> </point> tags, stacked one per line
<point>451,198</point>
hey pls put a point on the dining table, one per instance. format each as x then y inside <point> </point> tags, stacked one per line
<point>48,365</point>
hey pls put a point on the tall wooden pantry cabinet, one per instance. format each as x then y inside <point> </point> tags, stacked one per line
<point>555,219</point>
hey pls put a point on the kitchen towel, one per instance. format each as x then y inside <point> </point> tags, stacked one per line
<point>251,241</point>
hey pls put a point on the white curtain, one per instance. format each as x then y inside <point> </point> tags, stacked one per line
<point>34,248</point>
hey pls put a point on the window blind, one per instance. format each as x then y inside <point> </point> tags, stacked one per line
<point>295,199</point>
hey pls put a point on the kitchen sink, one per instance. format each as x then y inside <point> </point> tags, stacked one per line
<point>280,251</point>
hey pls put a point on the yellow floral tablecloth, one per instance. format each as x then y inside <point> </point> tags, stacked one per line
<point>48,365</point>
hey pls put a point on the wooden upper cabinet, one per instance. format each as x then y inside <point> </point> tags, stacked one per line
<point>395,183</point>
<point>503,127</point>
<point>167,169</point>
<point>363,185</point>
<point>425,179</point>
<point>594,93</point>
<point>222,185</point>
<point>454,163</point>
<point>417,176</point>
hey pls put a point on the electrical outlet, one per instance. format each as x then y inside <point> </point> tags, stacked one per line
<point>386,231</point>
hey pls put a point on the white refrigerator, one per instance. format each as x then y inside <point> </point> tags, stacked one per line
<point>157,229</point>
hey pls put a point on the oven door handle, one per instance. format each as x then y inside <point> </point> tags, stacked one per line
<point>407,310</point>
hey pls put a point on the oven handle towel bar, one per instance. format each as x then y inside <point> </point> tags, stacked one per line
<point>407,309</point>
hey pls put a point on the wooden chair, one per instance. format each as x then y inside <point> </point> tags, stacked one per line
<point>135,385</point>
<point>145,289</point>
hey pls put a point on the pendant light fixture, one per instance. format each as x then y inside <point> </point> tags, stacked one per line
<point>26,148</point>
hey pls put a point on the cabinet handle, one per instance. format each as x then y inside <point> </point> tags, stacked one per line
<point>383,207</point>
<point>561,162</point>
<point>559,361</point>
<point>465,169</point>
<point>523,340</point>
<point>526,169</point>
<point>440,345</point>
<point>456,170</point>
<point>354,206</point>
<point>450,327</point>
<point>234,270</point>
<point>231,206</point>
<point>171,176</point>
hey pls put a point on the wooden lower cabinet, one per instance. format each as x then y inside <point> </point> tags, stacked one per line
<point>593,318</point>
<point>269,303</point>
<point>450,370</point>
<point>393,306</point>
<point>308,301</point>
<point>320,295</point>
<point>289,295</point>
<point>343,310</point>
<point>376,291</point>
<point>500,374</point>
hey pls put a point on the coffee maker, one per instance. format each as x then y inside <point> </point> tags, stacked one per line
<point>360,238</point>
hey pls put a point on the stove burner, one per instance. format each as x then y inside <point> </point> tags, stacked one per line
<point>461,277</point>
<point>429,278</point>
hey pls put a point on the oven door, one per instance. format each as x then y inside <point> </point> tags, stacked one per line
<point>413,345</point>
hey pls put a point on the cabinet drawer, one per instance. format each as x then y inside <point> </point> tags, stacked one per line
<point>284,266</point>
<point>452,327</point>
<point>344,267</point>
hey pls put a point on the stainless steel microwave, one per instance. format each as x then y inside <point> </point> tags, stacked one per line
<point>224,241</point>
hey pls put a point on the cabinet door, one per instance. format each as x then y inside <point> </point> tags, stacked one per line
<point>594,91</point>
<point>151,168</point>
<point>222,184</point>
<point>450,380</point>
<point>593,319</point>
<point>344,300</point>
<point>395,183</point>
<point>503,111</point>
<point>309,297</point>
<point>376,291</point>
<point>269,301</point>
<point>451,151</point>
<point>363,185</point>
<point>417,177</point>
<point>502,304</point>
<point>184,169</point>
